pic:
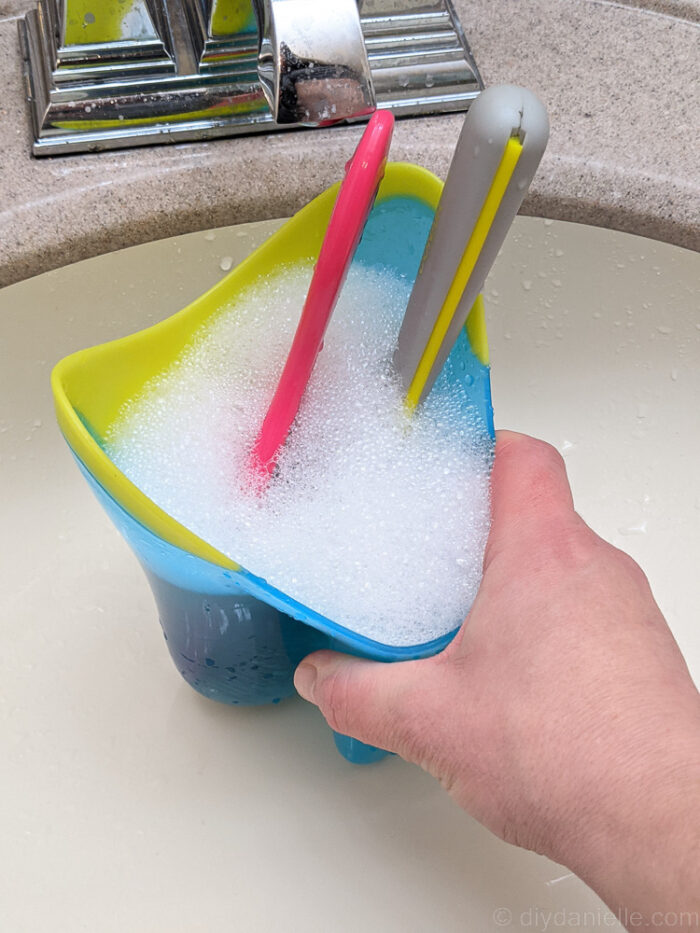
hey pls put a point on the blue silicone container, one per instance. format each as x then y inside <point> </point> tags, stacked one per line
<point>232,636</point>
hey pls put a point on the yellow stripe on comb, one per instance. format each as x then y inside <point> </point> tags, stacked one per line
<point>472,251</point>
<point>476,330</point>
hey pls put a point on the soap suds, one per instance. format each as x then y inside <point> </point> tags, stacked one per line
<point>374,519</point>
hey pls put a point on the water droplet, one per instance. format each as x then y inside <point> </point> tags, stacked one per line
<point>638,529</point>
<point>225,263</point>
<point>526,284</point>
<point>210,235</point>
<point>663,329</point>
<point>548,222</point>
<point>560,878</point>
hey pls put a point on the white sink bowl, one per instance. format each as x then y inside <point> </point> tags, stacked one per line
<point>130,803</point>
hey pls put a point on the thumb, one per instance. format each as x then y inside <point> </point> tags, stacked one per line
<point>392,706</point>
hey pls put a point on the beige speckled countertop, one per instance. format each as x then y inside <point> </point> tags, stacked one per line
<point>619,80</point>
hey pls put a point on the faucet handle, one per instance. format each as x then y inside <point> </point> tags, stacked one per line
<point>312,60</point>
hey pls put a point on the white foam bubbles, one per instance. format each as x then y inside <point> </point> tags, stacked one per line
<point>374,519</point>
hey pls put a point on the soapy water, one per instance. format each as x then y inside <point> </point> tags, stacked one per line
<point>374,518</point>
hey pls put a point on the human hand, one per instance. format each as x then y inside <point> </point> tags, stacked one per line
<point>562,716</point>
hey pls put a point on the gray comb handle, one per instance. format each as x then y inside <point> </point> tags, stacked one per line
<point>497,114</point>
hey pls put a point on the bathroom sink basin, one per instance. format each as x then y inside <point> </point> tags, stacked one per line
<point>131,803</point>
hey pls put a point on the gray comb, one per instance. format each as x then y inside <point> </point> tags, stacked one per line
<point>498,114</point>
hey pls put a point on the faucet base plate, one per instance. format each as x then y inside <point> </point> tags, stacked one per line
<point>419,59</point>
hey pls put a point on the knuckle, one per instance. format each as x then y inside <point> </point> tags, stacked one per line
<point>544,464</point>
<point>543,452</point>
<point>571,544</point>
<point>574,549</point>
<point>557,546</point>
<point>631,569</point>
<point>334,700</point>
<point>408,734</point>
<point>535,451</point>
<point>540,468</point>
<point>419,716</point>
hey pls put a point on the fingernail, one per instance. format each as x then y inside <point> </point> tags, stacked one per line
<point>305,680</point>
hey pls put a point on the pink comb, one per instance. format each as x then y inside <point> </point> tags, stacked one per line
<point>358,190</point>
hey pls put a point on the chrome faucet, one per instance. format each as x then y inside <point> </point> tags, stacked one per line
<point>310,73</point>
<point>109,73</point>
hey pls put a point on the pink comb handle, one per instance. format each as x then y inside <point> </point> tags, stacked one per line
<point>355,198</point>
